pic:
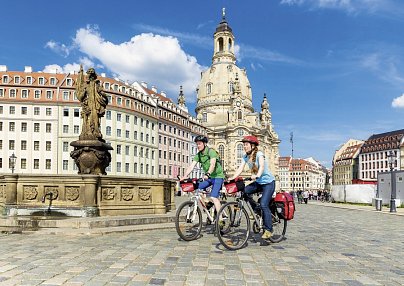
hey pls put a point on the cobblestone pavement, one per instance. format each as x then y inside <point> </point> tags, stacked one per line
<point>324,246</point>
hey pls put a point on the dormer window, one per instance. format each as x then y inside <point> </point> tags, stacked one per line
<point>106,85</point>
<point>52,81</point>
<point>29,80</point>
<point>41,81</point>
<point>5,78</point>
<point>17,80</point>
<point>116,87</point>
<point>69,82</point>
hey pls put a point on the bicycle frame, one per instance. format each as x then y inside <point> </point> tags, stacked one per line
<point>199,202</point>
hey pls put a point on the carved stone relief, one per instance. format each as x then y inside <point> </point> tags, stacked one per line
<point>108,194</point>
<point>53,190</point>
<point>127,194</point>
<point>72,193</point>
<point>144,194</point>
<point>30,192</point>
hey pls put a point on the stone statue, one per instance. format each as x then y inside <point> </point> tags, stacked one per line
<point>93,103</point>
<point>91,153</point>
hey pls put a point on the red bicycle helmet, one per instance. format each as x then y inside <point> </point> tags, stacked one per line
<point>250,139</point>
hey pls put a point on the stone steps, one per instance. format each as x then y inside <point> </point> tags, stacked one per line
<point>87,225</point>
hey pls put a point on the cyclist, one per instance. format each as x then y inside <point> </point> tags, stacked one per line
<point>214,175</point>
<point>263,182</point>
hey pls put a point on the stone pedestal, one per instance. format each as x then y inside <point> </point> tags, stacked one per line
<point>91,156</point>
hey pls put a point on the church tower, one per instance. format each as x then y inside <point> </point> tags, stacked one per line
<point>224,104</point>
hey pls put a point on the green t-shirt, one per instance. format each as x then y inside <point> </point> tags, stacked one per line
<point>205,156</point>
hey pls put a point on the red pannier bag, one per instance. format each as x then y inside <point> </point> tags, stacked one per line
<point>188,185</point>
<point>234,186</point>
<point>285,205</point>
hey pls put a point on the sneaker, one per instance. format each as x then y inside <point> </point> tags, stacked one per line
<point>267,234</point>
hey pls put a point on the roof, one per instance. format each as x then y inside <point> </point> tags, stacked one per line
<point>383,141</point>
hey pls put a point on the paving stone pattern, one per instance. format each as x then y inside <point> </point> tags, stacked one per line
<point>324,246</point>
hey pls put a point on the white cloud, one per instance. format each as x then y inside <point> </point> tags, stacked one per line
<point>71,67</point>
<point>58,48</point>
<point>352,6</point>
<point>156,59</point>
<point>398,102</point>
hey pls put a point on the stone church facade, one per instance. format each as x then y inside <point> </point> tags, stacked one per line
<point>224,105</point>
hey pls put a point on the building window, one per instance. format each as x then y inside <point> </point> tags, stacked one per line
<point>209,88</point>
<point>23,145</point>
<point>11,126</point>
<point>126,150</point>
<point>48,164</point>
<point>108,115</point>
<point>65,146</point>
<point>12,93</point>
<point>49,94</point>
<point>135,168</point>
<point>48,145</point>
<point>36,163</point>
<point>36,145</point>
<point>118,149</point>
<point>127,167</point>
<point>118,166</point>
<point>127,133</point>
<point>66,95</point>
<point>204,117</point>
<point>118,117</point>
<point>76,112</point>
<point>48,111</point>
<point>69,82</point>
<point>12,110</point>
<point>48,128</point>
<point>65,112</point>
<point>36,111</point>
<point>11,144</point>
<point>52,81</point>
<point>127,118</point>
<point>37,94</point>
<point>24,93</point>
<point>36,127</point>
<point>29,80</point>
<point>76,129</point>
<point>108,131</point>
<point>135,151</point>
<point>41,81</point>
<point>65,165</point>
<point>118,132</point>
<point>65,128</point>
<point>23,163</point>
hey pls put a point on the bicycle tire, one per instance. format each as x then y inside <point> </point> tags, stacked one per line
<point>188,229</point>
<point>236,231</point>
<point>279,228</point>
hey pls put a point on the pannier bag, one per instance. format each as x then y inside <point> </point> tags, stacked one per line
<point>234,186</point>
<point>285,205</point>
<point>188,185</point>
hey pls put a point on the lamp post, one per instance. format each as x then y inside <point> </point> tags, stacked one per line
<point>293,182</point>
<point>13,158</point>
<point>391,159</point>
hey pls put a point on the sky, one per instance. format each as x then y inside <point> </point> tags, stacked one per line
<point>332,70</point>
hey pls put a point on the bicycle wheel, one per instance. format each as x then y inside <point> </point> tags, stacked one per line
<point>236,229</point>
<point>279,228</point>
<point>188,221</point>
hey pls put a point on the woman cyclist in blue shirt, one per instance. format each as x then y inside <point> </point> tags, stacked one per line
<point>263,182</point>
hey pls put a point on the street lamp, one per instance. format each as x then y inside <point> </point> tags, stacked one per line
<point>13,158</point>
<point>391,159</point>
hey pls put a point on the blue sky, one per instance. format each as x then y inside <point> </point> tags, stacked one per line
<point>332,69</point>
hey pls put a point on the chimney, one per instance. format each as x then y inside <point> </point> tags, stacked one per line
<point>28,69</point>
<point>163,93</point>
<point>144,84</point>
<point>103,74</point>
<point>3,68</point>
<point>153,88</point>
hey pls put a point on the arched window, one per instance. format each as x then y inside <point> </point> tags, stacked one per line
<point>239,115</point>
<point>220,42</point>
<point>221,153</point>
<point>240,153</point>
<point>204,117</point>
<point>209,88</point>
<point>230,45</point>
<point>231,87</point>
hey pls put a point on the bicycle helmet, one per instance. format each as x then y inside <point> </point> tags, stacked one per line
<point>250,139</point>
<point>201,138</point>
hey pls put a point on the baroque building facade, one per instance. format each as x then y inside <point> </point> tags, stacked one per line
<point>151,136</point>
<point>225,106</point>
<point>346,163</point>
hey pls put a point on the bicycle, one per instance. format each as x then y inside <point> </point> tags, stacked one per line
<point>188,218</point>
<point>236,230</point>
